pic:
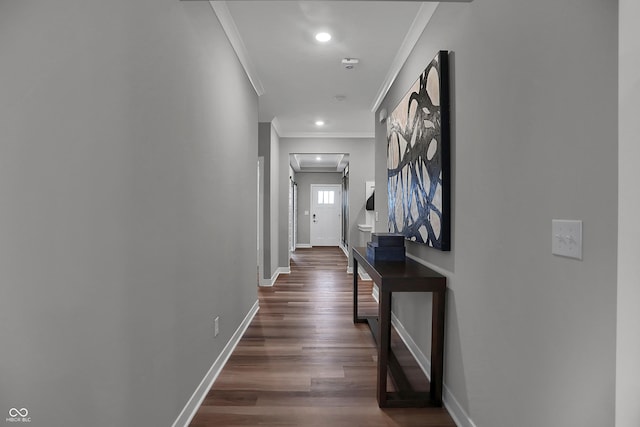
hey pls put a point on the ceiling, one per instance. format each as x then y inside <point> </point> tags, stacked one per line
<point>319,162</point>
<point>300,80</point>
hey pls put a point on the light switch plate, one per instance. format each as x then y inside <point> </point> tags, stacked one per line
<point>567,238</point>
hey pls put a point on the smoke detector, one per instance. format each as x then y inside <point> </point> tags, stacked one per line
<point>349,63</point>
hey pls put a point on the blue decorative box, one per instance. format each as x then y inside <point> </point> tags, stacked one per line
<point>388,239</point>
<point>384,253</point>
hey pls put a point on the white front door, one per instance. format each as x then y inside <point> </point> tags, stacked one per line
<point>325,214</point>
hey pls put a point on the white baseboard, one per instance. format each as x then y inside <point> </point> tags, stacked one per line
<point>303,246</point>
<point>278,272</point>
<point>284,270</point>
<point>345,250</point>
<point>268,282</point>
<point>454,408</point>
<point>361,273</point>
<point>193,404</point>
<point>449,401</point>
<point>423,361</point>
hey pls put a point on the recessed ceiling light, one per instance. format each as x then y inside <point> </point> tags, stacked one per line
<point>323,37</point>
<point>319,123</point>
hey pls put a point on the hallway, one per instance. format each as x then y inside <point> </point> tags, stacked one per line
<point>302,362</point>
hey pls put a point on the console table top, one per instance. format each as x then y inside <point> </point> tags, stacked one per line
<point>391,273</point>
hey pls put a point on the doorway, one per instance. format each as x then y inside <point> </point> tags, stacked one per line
<point>293,214</point>
<point>345,209</point>
<point>319,169</point>
<point>326,214</point>
<point>260,219</point>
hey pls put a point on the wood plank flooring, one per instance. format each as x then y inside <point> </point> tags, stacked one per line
<point>302,361</point>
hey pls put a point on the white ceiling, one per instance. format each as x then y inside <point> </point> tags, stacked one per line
<point>299,78</point>
<point>319,162</point>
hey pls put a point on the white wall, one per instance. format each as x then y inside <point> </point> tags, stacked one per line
<point>628,344</point>
<point>530,337</point>
<point>121,124</point>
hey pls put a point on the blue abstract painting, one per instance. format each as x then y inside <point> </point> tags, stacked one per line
<point>418,157</point>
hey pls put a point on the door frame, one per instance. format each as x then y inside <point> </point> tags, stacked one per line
<point>293,215</point>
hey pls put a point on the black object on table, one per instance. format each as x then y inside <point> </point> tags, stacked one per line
<point>402,276</point>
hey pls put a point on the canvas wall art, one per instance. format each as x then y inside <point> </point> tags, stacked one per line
<point>418,157</point>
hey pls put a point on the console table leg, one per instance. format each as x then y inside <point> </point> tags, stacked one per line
<point>384,338</point>
<point>437,347</point>
<point>355,290</point>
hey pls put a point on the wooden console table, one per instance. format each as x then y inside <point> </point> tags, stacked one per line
<point>407,276</point>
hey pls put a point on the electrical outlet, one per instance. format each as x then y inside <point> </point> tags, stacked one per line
<point>216,326</point>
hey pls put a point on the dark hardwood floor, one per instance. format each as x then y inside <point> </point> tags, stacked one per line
<point>302,361</point>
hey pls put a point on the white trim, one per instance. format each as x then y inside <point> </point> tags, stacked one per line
<point>275,123</point>
<point>278,272</point>
<point>418,25</point>
<point>454,408</point>
<point>361,273</point>
<point>344,249</point>
<point>193,404</point>
<point>365,227</point>
<point>303,246</point>
<point>448,399</point>
<point>296,134</point>
<point>231,30</point>
<point>266,282</point>
<point>284,270</point>
<point>423,361</point>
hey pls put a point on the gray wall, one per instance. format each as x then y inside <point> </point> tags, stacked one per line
<point>628,345</point>
<point>361,169</point>
<point>279,213</point>
<point>304,181</point>
<point>268,148</point>
<point>122,123</point>
<point>530,337</point>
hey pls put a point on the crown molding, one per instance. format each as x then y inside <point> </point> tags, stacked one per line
<point>231,30</point>
<point>327,135</point>
<point>276,126</point>
<point>418,25</point>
